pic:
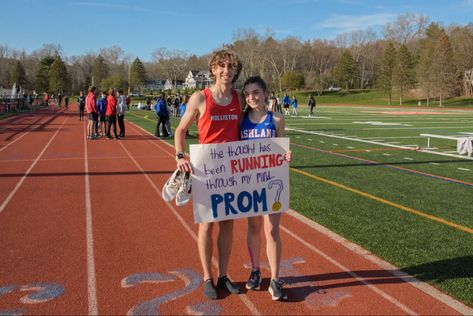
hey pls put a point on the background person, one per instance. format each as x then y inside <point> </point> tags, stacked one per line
<point>162,112</point>
<point>121,109</point>
<point>111,115</point>
<point>81,102</point>
<point>311,104</point>
<point>91,106</point>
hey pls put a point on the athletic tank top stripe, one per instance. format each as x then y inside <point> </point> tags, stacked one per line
<point>219,123</point>
<point>264,129</point>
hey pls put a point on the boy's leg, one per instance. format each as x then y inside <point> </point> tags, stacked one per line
<point>205,245</point>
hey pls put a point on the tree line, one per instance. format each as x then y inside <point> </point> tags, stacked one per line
<point>412,57</point>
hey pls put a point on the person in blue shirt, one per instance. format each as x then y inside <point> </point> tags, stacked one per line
<point>259,122</point>
<point>102,107</point>
<point>182,108</point>
<point>163,116</point>
<point>286,103</point>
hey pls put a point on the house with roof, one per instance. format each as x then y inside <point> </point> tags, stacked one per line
<point>173,84</point>
<point>198,79</point>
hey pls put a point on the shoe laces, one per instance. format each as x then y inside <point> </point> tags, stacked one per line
<point>255,275</point>
<point>279,283</point>
<point>176,181</point>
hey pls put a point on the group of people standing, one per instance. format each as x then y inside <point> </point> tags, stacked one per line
<point>103,113</point>
<point>162,108</point>
<point>221,100</point>
<point>274,104</point>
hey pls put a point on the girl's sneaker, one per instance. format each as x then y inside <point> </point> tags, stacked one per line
<point>276,290</point>
<point>172,186</point>
<point>183,195</point>
<point>254,281</point>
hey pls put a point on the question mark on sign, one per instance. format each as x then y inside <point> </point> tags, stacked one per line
<point>276,205</point>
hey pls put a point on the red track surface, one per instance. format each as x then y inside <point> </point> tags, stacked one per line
<point>84,230</point>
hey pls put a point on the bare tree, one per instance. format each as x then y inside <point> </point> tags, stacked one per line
<point>406,28</point>
<point>171,63</point>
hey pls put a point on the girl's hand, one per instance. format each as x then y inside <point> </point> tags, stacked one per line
<point>288,156</point>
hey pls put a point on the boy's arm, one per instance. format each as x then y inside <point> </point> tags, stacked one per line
<point>196,102</point>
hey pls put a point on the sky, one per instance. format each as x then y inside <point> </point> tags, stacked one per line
<point>140,27</point>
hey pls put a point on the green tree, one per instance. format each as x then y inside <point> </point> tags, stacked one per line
<point>99,72</point>
<point>18,74</point>
<point>114,81</point>
<point>385,79</point>
<point>137,74</point>
<point>425,75</point>
<point>58,80</point>
<point>404,74</point>
<point>346,71</point>
<point>443,67</point>
<point>292,81</point>
<point>42,75</point>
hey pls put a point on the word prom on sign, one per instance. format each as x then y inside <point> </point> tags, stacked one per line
<point>239,179</point>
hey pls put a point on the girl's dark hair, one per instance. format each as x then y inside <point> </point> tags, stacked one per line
<point>256,80</point>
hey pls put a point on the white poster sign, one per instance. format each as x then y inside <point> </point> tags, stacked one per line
<point>239,179</point>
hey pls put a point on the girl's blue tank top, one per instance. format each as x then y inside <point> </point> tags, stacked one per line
<point>250,130</point>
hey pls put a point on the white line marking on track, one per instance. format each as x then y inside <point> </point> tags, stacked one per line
<point>385,154</point>
<point>464,169</point>
<point>91,279</point>
<point>16,139</point>
<point>18,185</point>
<point>424,287</point>
<point>340,266</point>
<point>408,158</point>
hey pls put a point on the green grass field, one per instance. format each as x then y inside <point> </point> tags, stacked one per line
<point>356,172</point>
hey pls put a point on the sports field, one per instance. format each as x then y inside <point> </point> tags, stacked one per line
<point>365,173</point>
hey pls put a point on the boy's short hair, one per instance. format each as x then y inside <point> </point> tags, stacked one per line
<point>220,55</point>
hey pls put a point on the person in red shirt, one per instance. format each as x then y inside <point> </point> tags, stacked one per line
<point>91,106</point>
<point>111,114</point>
<point>220,100</point>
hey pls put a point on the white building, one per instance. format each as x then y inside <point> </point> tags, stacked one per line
<point>198,79</point>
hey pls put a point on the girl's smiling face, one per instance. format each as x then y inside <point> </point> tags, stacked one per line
<point>254,95</point>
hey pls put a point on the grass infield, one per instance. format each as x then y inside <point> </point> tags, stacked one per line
<point>358,171</point>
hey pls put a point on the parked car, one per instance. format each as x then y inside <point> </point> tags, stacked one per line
<point>332,88</point>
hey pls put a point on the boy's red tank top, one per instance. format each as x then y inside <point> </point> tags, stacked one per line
<point>219,123</point>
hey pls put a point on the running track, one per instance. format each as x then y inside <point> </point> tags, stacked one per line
<point>84,230</point>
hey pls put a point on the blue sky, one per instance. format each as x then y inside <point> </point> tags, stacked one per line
<point>141,26</point>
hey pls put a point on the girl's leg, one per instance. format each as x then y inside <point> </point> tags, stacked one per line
<point>253,240</point>
<point>273,243</point>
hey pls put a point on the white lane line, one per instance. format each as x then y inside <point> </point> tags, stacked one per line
<point>434,163</point>
<point>20,137</point>
<point>18,185</point>
<point>464,169</point>
<point>91,279</point>
<point>408,158</point>
<point>424,287</point>
<point>243,297</point>
<point>385,154</point>
<point>340,266</point>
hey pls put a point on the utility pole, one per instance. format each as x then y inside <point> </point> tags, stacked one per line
<point>129,78</point>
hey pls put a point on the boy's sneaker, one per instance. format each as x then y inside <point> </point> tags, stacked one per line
<point>209,289</point>
<point>276,290</point>
<point>225,283</point>
<point>184,192</point>
<point>254,281</point>
<point>172,186</point>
